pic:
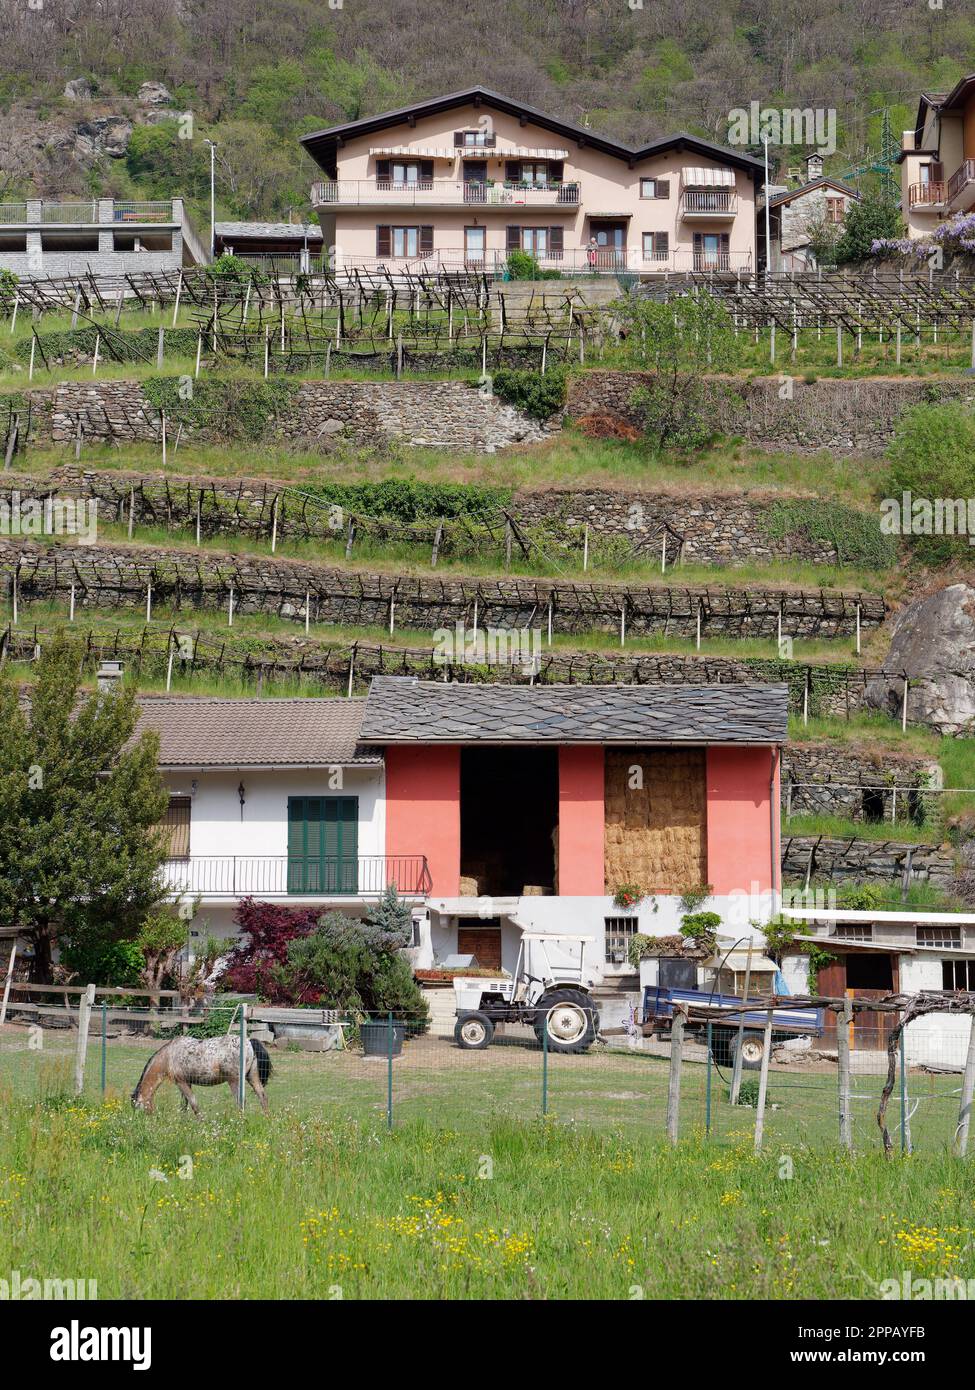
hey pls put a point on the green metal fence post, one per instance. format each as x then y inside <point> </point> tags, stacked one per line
<point>545,1069</point>
<point>389,1070</point>
<point>707,1090</point>
<point>241,1096</point>
<point>905,1142</point>
<point>104,1045</point>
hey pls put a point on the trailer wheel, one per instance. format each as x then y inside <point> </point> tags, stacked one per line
<point>752,1050</point>
<point>566,1020</point>
<point>473,1031</point>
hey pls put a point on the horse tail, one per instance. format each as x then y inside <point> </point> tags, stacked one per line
<point>145,1069</point>
<point>263,1059</point>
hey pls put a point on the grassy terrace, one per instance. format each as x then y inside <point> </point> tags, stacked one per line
<point>589,1202</point>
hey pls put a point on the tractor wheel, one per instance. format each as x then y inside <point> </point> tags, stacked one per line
<point>567,1019</point>
<point>752,1049</point>
<point>473,1031</point>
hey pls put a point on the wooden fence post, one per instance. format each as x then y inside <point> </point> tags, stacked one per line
<point>84,1015</point>
<point>844,1017</point>
<point>965,1106</point>
<point>8,981</point>
<point>676,1057</point>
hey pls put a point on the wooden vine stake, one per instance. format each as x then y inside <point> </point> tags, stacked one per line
<point>673,1085</point>
<point>844,1018</point>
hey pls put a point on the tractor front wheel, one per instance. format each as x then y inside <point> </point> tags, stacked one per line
<point>565,1019</point>
<point>473,1031</point>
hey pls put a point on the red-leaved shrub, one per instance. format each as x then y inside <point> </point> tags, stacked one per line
<point>267,929</point>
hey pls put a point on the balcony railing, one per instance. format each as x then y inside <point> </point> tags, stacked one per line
<point>572,261</point>
<point>142,212</point>
<point>708,202</point>
<point>442,193</point>
<point>93,212</point>
<point>13,212</point>
<point>281,875</point>
<point>927,195</point>
<point>73,213</point>
<point>963,175</point>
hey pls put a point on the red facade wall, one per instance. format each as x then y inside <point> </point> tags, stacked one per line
<point>582,779</point>
<point>423,810</point>
<point>740,827</point>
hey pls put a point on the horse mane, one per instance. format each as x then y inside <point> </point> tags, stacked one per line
<point>148,1064</point>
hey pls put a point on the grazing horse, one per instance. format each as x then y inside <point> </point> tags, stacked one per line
<point>189,1062</point>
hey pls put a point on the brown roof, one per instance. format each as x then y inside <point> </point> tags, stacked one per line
<point>201,732</point>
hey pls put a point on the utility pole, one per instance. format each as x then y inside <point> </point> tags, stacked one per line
<point>213,197</point>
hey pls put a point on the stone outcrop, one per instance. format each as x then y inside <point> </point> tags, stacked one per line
<point>934,639</point>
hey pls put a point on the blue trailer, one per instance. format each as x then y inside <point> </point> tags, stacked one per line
<point>723,1012</point>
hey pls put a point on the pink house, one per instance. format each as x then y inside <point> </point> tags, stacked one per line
<point>534,805</point>
<point>460,181</point>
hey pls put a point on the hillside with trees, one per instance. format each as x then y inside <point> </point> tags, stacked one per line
<point>256,74</point>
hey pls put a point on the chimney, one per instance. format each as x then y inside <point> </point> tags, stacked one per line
<point>109,674</point>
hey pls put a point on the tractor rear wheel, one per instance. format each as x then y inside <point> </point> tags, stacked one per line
<point>752,1050</point>
<point>473,1031</point>
<point>566,1020</point>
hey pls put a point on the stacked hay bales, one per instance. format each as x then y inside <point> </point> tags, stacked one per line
<point>656,834</point>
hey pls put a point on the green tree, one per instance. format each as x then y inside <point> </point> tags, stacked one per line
<point>676,344</point>
<point>871,219</point>
<point>79,801</point>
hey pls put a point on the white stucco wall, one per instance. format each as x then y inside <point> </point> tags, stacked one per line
<point>939,1040</point>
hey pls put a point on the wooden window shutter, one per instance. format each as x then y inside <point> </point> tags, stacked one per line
<point>458,138</point>
<point>662,188</point>
<point>937,171</point>
<point>513,238</point>
<point>175,828</point>
<point>426,170</point>
<point>698,242</point>
<point>383,241</point>
<point>512,170</point>
<point>556,170</point>
<point>725,243</point>
<point>555,241</point>
<point>382,168</point>
<point>661,242</point>
<point>426,241</point>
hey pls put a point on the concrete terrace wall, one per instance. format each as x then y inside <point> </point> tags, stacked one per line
<point>830,413</point>
<point>119,577</point>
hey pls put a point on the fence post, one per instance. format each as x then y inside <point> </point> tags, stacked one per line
<point>105,1045</point>
<point>843,1018</point>
<point>763,1084</point>
<point>241,1080</point>
<point>707,1085</point>
<point>545,1069</point>
<point>84,1016</point>
<point>965,1106</point>
<point>673,1088</point>
<point>906,1145</point>
<point>389,1069</point>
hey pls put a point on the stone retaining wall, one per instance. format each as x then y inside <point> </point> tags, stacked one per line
<point>714,529</point>
<point>829,413</point>
<point>862,861</point>
<point>859,785</point>
<point>119,577</point>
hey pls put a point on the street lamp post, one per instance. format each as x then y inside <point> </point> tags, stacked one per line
<point>213,200</point>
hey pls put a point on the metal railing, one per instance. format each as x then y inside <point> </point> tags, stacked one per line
<point>70,213</point>
<point>708,202</point>
<point>964,174</point>
<point>281,875</point>
<point>142,212</point>
<point>13,212</point>
<point>442,192</point>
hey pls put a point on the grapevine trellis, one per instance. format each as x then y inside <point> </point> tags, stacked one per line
<point>180,650</point>
<point>857,302</point>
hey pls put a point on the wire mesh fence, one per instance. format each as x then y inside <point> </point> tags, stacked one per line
<point>390,1071</point>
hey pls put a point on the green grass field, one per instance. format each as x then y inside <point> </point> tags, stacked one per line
<point>472,1193</point>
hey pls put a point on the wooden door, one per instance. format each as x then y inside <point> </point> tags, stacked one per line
<point>482,942</point>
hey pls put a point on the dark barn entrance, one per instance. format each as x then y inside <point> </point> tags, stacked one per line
<point>509,809</point>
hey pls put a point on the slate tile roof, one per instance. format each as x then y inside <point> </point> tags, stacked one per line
<point>296,231</point>
<point>403,709</point>
<point>207,732</point>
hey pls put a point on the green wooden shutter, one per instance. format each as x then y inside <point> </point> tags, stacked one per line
<point>323,844</point>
